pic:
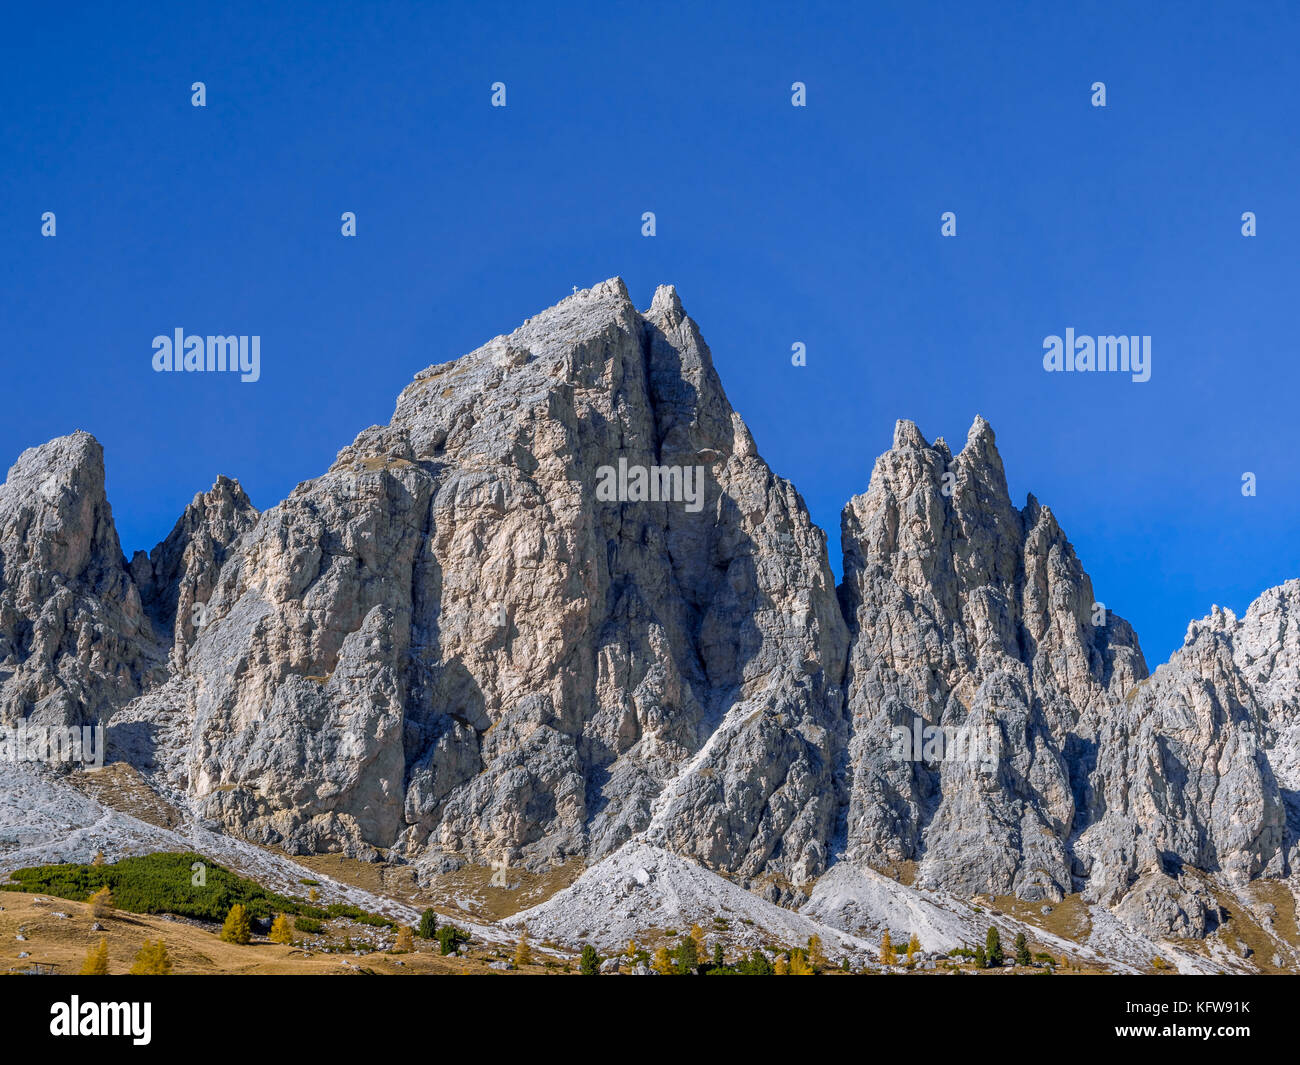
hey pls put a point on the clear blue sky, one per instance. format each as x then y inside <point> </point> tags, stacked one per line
<point>777,225</point>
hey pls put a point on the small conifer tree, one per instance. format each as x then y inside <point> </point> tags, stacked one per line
<point>101,903</point>
<point>887,955</point>
<point>1022,950</point>
<point>686,959</point>
<point>523,952</point>
<point>589,962</point>
<point>428,925</point>
<point>281,932</point>
<point>238,928</point>
<point>152,960</point>
<point>816,955</point>
<point>96,963</point>
<point>450,938</point>
<point>701,947</point>
<point>993,948</point>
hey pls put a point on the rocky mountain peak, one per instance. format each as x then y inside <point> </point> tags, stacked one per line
<point>54,510</point>
<point>179,575</point>
<point>967,614</point>
<point>74,641</point>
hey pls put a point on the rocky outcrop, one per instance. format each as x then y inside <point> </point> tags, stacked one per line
<point>1195,770</point>
<point>974,621</point>
<point>177,578</point>
<point>74,640</point>
<point>1266,652</point>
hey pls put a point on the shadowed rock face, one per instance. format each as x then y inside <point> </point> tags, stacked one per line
<point>454,645</point>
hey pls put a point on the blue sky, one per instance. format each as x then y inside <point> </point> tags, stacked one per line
<point>777,224</point>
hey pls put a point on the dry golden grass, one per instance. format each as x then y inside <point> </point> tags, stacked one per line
<point>60,945</point>
<point>1244,929</point>
<point>469,891</point>
<point>119,786</point>
<point>1069,918</point>
<point>374,463</point>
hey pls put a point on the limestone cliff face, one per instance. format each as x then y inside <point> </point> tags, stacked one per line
<point>1196,770</point>
<point>74,641</point>
<point>450,646</point>
<point>176,579</point>
<point>969,614</point>
<point>475,638</point>
<point>1084,774</point>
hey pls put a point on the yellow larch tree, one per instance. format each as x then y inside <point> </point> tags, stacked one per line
<point>101,903</point>
<point>96,963</point>
<point>523,952</point>
<point>887,955</point>
<point>281,930</point>
<point>152,960</point>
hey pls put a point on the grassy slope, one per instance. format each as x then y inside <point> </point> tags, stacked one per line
<point>61,944</point>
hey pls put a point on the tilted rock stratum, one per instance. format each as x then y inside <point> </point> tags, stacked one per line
<point>560,606</point>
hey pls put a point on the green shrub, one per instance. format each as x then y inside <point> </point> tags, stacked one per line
<point>340,909</point>
<point>755,965</point>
